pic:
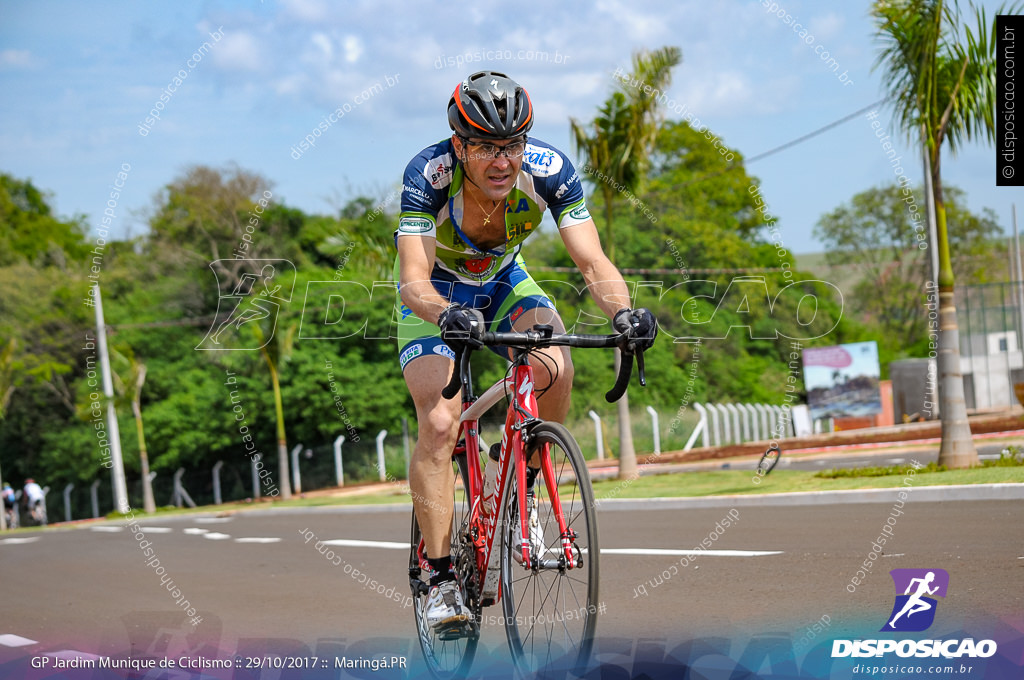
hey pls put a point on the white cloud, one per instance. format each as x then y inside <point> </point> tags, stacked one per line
<point>353,47</point>
<point>311,11</point>
<point>323,43</point>
<point>238,51</point>
<point>628,19</point>
<point>827,26</point>
<point>16,59</point>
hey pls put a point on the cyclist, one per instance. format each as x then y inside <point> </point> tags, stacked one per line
<point>34,498</point>
<point>9,503</point>
<point>468,202</point>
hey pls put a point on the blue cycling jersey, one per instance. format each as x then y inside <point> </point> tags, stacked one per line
<point>432,205</point>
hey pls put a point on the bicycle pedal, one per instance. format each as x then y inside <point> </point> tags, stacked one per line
<point>456,631</point>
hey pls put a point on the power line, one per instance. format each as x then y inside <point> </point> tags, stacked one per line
<point>777,149</point>
<point>816,132</point>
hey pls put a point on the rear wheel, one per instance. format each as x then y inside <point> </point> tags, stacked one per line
<point>447,658</point>
<point>550,609</point>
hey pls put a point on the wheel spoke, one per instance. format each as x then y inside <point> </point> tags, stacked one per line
<point>549,612</point>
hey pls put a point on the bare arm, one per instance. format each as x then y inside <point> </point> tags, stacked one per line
<point>602,277</point>
<point>416,261</point>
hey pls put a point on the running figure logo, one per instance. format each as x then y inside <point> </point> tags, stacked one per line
<point>914,610</point>
<point>260,288</point>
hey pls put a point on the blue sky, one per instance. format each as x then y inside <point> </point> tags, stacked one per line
<point>79,79</point>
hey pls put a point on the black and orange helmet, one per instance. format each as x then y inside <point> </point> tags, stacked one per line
<point>490,105</point>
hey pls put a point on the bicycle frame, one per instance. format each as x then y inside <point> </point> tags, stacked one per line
<point>487,514</point>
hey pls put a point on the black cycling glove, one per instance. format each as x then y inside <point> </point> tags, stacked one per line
<point>461,326</point>
<point>640,325</point>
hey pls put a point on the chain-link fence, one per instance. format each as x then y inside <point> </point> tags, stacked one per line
<point>317,470</point>
<point>991,325</point>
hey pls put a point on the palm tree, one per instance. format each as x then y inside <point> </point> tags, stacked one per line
<point>940,74</point>
<point>275,351</point>
<point>617,148</point>
<point>129,389</point>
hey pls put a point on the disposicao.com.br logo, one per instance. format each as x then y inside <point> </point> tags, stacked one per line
<point>914,611</point>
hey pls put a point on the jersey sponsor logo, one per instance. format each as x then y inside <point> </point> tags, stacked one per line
<point>514,230</point>
<point>477,266</point>
<point>542,162</point>
<point>410,353</point>
<point>516,207</point>
<point>516,314</point>
<point>445,351</point>
<point>580,212</point>
<point>438,171</point>
<point>414,225</point>
<point>565,186</point>
<point>413,190</point>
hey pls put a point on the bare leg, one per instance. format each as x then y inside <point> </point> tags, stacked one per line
<point>431,477</point>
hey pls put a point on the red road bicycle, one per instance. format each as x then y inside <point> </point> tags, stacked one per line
<point>544,568</point>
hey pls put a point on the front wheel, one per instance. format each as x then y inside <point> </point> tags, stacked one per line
<point>551,608</point>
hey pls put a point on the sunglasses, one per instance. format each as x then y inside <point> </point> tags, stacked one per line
<point>488,151</point>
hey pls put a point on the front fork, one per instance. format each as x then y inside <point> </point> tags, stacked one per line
<point>570,557</point>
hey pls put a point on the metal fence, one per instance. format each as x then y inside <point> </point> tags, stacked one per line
<point>990,318</point>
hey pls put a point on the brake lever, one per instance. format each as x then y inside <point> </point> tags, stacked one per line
<point>640,368</point>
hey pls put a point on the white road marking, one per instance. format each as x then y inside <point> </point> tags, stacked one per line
<point>213,520</point>
<point>15,541</point>
<point>73,654</point>
<point>389,545</point>
<point>214,536</point>
<point>256,539</point>
<point>156,530</point>
<point>713,553</point>
<point>107,530</point>
<point>196,530</point>
<point>11,640</point>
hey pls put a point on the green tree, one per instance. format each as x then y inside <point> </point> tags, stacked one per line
<point>875,233</point>
<point>617,148</point>
<point>939,72</point>
<point>29,232</point>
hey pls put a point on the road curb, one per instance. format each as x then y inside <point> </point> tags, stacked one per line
<point>924,494</point>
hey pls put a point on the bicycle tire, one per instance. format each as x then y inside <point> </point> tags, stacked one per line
<point>539,605</point>
<point>448,659</point>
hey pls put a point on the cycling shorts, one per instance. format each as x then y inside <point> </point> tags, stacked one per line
<point>501,301</point>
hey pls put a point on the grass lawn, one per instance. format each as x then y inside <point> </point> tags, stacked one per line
<point>728,482</point>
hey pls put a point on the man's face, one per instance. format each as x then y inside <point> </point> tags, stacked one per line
<point>491,165</point>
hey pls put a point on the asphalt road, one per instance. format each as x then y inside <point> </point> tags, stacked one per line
<point>258,586</point>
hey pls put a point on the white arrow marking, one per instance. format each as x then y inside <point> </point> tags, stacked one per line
<point>11,640</point>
